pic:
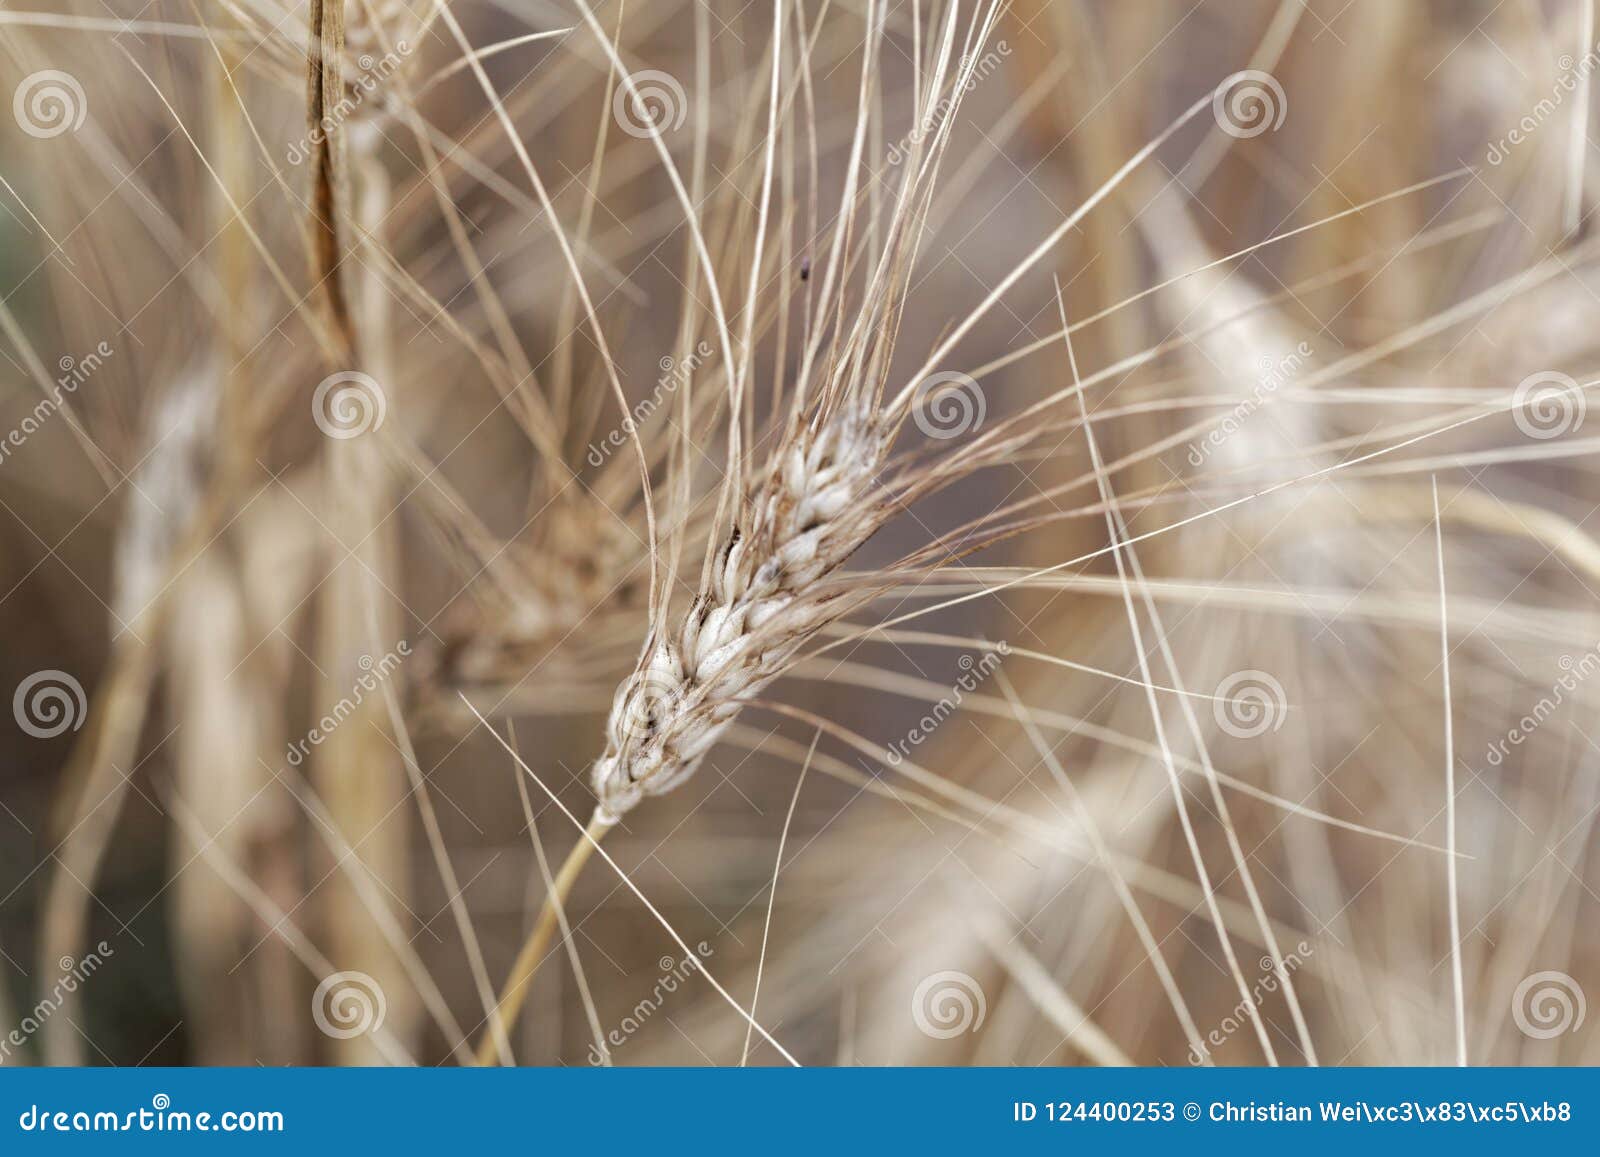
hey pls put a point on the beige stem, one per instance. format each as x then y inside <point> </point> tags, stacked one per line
<point>533,949</point>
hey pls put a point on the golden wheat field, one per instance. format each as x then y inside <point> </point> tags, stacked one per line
<point>821,532</point>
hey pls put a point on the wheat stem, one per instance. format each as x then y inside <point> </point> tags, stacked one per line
<point>533,949</point>
<point>324,89</point>
<point>1457,987</point>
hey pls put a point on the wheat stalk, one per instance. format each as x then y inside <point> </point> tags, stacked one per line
<point>324,87</point>
<point>753,613</point>
<point>818,500</point>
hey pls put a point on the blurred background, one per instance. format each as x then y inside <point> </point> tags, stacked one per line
<point>312,456</point>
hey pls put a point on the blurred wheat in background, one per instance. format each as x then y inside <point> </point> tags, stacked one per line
<point>825,531</point>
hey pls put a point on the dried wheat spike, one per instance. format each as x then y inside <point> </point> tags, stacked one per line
<point>755,611</point>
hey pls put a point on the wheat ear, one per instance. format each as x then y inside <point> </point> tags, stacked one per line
<point>752,614</point>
